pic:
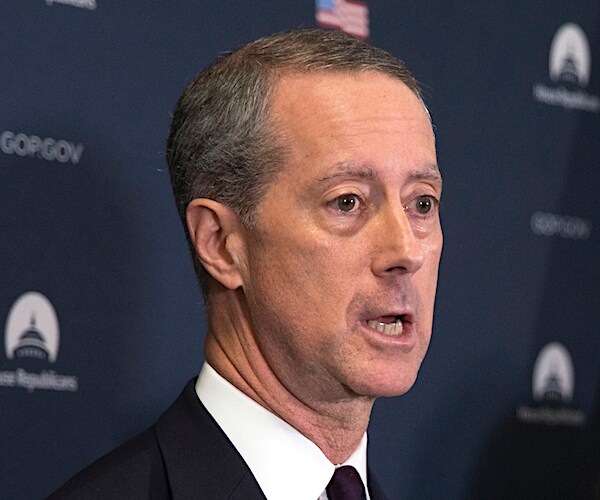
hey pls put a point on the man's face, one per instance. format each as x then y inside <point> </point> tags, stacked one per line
<point>342,266</point>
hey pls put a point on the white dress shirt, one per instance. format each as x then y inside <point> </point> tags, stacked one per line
<point>286,464</point>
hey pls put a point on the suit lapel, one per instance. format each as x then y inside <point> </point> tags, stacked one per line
<point>200,461</point>
<point>375,489</point>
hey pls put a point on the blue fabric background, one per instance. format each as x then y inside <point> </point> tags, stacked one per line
<point>99,236</point>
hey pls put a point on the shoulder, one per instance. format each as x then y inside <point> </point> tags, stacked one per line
<point>134,470</point>
<point>184,455</point>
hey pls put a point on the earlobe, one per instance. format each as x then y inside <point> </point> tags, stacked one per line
<point>216,234</point>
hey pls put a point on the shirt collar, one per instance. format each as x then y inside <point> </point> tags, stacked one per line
<point>284,462</point>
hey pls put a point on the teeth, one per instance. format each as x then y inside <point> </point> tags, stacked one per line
<point>393,329</point>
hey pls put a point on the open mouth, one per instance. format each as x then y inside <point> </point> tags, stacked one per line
<point>388,325</point>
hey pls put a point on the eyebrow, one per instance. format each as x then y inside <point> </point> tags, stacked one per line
<point>346,169</point>
<point>427,172</point>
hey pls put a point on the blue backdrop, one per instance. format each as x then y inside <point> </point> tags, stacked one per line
<point>102,320</point>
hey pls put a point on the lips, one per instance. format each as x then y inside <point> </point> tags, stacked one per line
<point>392,325</point>
<point>393,328</point>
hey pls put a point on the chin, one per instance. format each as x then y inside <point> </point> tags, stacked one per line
<point>385,383</point>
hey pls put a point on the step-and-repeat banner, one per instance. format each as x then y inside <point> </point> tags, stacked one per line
<point>101,319</point>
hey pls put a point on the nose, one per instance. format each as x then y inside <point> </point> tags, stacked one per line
<point>399,250</point>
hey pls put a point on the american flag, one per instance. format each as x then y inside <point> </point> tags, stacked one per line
<point>351,16</point>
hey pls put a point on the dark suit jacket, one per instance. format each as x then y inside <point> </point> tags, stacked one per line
<point>185,455</point>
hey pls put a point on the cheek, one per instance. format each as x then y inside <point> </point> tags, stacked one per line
<point>293,301</point>
<point>427,276</point>
<point>308,260</point>
<point>303,280</point>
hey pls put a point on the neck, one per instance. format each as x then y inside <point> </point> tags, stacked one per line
<point>333,418</point>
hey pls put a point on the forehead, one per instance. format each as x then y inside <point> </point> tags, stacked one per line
<point>327,118</point>
<point>322,83</point>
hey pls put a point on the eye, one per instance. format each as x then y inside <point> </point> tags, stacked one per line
<point>423,205</point>
<point>347,203</point>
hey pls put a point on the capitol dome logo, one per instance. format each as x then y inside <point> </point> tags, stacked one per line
<point>32,329</point>
<point>570,57</point>
<point>553,375</point>
<point>570,69</point>
<point>553,385</point>
<point>32,332</point>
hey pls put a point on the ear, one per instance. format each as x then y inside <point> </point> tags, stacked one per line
<point>218,237</point>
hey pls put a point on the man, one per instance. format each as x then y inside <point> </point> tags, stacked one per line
<point>305,173</point>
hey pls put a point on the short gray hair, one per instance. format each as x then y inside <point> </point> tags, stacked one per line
<point>224,145</point>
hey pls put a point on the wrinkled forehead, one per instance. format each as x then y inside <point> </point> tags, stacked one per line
<point>351,120</point>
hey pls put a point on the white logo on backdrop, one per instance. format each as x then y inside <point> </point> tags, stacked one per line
<point>553,386</point>
<point>82,4</point>
<point>570,57</point>
<point>553,376</point>
<point>32,329</point>
<point>35,147</point>
<point>32,332</point>
<point>570,70</point>
<point>565,226</point>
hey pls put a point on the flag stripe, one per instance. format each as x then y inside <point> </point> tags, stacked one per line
<point>351,16</point>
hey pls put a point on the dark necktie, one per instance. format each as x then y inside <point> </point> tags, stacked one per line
<point>345,484</point>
